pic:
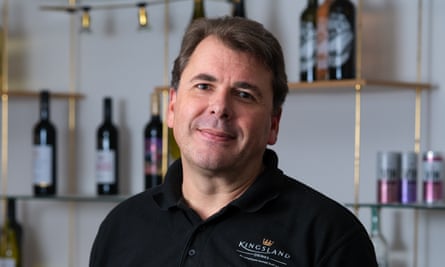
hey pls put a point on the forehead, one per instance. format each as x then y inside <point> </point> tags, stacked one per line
<point>212,53</point>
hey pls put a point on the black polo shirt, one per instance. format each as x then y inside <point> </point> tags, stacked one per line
<point>278,222</point>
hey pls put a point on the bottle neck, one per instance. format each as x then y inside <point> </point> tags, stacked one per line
<point>11,210</point>
<point>155,105</point>
<point>198,9</point>
<point>375,221</point>
<point>312,3</point>
<point>238,9</point>
<point>44,105</point>
<point>107,110</point>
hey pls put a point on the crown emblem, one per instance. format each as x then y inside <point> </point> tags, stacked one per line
<point>267,242</point>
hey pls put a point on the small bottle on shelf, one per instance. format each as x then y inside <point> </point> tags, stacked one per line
<point>408,187</point>
<point>238,9</point>
<point>153,145</point>
<point>107,153</point>
<point>388,177</point>
<point>432,177</point>
<point>198,9</point>
<point>323,40</point>
<point>308,42</point>
<point>380,245</point>
<point>342,38</point>
<point>44,150</point>
<point>10,235</point>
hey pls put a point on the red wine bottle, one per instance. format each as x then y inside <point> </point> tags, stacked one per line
<point>341,30</point>
<point>308,42</point>
<point>107,153</point>
<point>153,145</point>
<point>44,150</point>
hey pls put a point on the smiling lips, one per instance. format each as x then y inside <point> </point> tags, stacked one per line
<point>216,134</point>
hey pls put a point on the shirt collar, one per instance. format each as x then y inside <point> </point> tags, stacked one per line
<point>265,188</point>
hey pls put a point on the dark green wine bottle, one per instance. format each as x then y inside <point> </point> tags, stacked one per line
<point>9,240</point>
<point>238,9</point>
<point>198,9</point>
<point>44,150</point>
<point>308,42</point>
<point>341,31</point>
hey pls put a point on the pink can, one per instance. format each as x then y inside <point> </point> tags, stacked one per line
<point>432,177</point>
<point>388,177</point>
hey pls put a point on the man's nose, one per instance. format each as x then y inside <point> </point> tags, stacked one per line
<point>220,104</point>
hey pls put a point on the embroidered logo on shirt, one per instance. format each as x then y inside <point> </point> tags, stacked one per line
<point>263,252</point>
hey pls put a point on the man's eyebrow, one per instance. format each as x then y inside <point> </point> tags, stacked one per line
<point>203,77</point>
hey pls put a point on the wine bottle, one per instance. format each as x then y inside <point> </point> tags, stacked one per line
<point>9,240</point>
<point>44,150</point>
<point>378,240</point>
<point>16,228</point>
<point>238,9</point>
<point>153,145</point>
<point>198,9</point>
<point>323,40</point>
<point>107,153</point>
<point>308,41</point>
<point>341,28</point>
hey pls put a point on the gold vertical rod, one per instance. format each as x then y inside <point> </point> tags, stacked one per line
<point>165,93</point>
<point>71,174</point>
<point>5,108</point>
<point>357,147</point>
<point>357,125</point>
<point>5,99</point>
<point>417,119</point>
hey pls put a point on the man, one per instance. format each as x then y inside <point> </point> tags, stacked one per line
<point>225,202</point>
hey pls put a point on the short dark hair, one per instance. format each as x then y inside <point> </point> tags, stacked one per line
<point>243,35</point>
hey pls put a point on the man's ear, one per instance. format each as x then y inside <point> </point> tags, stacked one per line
<point>274,127</point>
<point>171,107</point>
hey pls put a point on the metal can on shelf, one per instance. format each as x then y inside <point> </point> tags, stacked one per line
<point>388,177</point>
<point>408,184</point>
<point>432,177</point>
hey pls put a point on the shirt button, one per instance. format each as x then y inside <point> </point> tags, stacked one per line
<point>192,252</point>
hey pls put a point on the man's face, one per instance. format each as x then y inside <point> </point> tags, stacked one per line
<point>221,113</point>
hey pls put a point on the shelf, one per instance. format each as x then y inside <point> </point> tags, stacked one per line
<point>352,84</point>
<point>96,5</point>
<point>67,198</point>
<point>35,94</point>
<point>345,84</point>
<point>414,206</point>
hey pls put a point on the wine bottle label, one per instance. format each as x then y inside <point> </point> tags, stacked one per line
<point>5,262</point>
<point>341,38</point>
<point>308,46</point>
<point>105,161</point>
<point>42,155</point>
<point>153,156</point>
<point>322,43</point>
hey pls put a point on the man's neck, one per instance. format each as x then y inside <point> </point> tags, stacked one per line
<point>207,195</point>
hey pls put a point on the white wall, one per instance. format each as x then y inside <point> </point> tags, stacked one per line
<point>316,142</point>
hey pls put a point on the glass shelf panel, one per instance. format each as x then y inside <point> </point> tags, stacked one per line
<point>417,206</point>
<point>35,94</point>
<point>68,198</point>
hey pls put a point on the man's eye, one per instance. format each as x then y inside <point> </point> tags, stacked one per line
<point>245,95</point>
<point>202,86</point>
